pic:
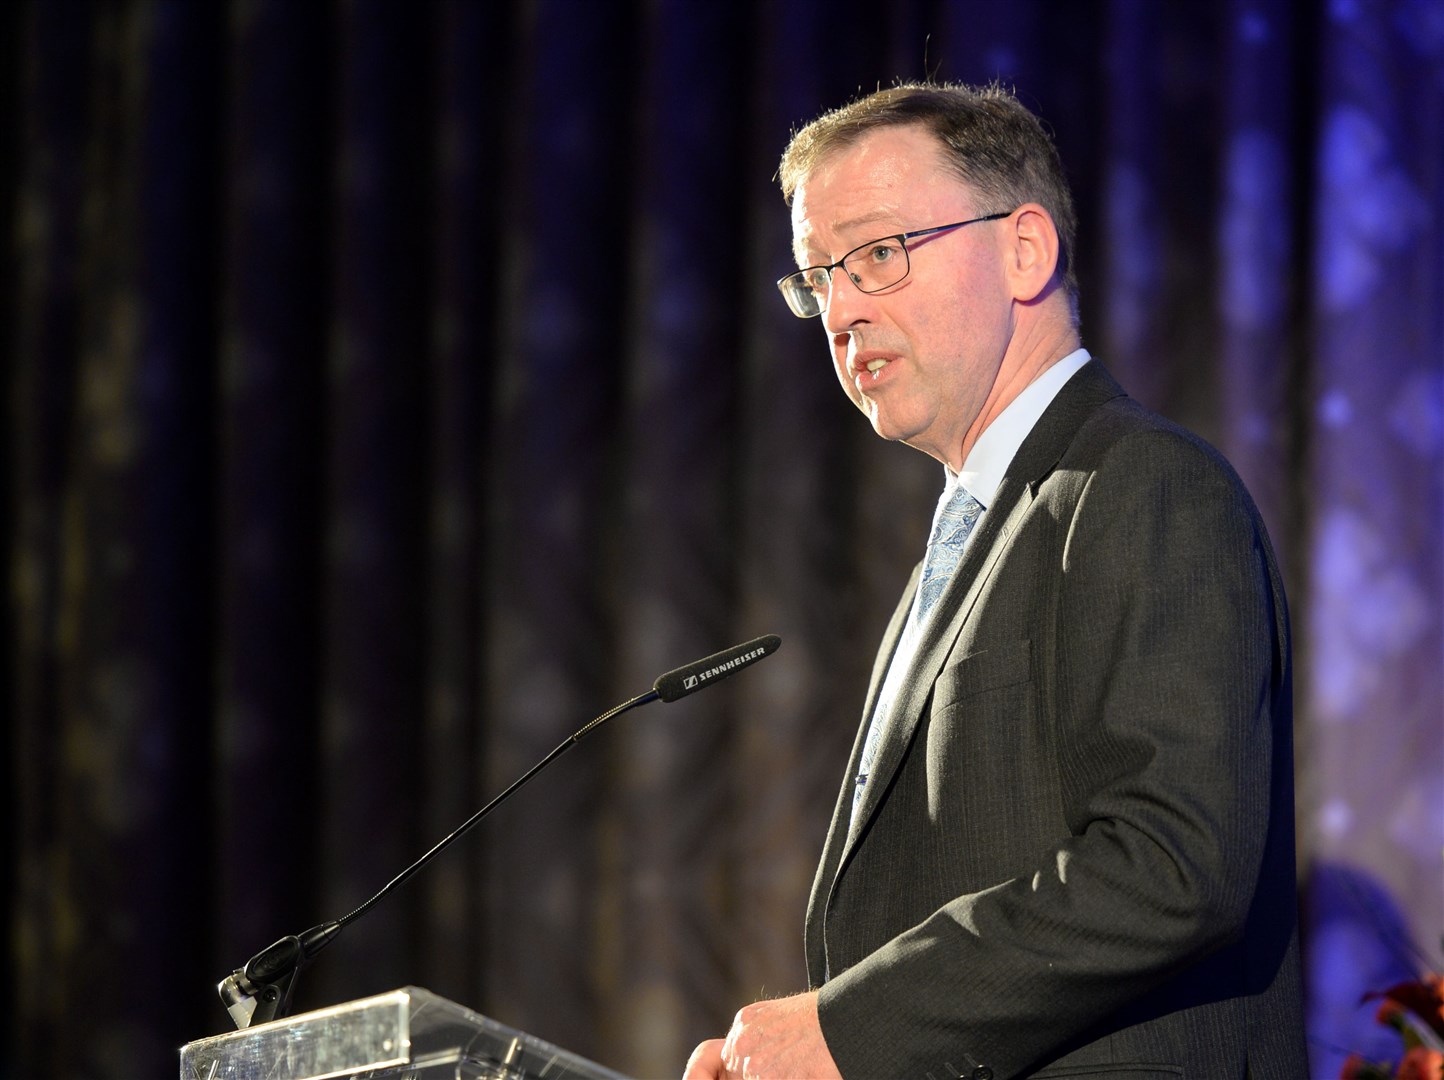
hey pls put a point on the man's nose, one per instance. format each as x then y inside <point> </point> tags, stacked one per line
<point>847,305</point>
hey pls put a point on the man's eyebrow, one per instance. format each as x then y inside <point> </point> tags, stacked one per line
<point>876,217</point>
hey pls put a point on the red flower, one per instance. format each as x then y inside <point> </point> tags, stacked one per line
<point>1356,1068</point>
<point>1424,998</point>
<point>1413,1009</point>
<point>1391,1014</point>
<point>1422,1063</point>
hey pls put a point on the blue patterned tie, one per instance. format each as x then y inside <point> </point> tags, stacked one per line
<point>945,548</point>
<point>951,528</point>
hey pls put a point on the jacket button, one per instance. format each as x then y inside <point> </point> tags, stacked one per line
<point>982,1072</point>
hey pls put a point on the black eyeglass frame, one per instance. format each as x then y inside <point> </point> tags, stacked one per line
<point>901,238</point>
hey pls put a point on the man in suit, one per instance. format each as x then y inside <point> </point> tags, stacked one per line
<point>1064,844</point>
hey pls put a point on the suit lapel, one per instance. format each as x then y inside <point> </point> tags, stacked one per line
<point>944,624</point>
<point>837,831</point>
<point>1036,457</point>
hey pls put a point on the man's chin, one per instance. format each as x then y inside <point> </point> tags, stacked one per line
<point>886,427</point>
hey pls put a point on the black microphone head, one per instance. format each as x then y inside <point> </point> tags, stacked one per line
<point>702,673</point>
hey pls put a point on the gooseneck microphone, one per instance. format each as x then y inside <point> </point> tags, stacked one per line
<point>688,680</point>
<point>261,990</point>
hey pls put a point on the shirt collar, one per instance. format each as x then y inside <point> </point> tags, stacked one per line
<point>994,451</point>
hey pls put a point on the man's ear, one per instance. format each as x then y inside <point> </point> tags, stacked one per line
<point>1031,256</point>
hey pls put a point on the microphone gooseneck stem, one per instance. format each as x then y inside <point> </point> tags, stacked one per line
<point>261,990</point>
<point>469,823</point>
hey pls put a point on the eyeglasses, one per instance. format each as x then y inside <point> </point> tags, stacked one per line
<point>876,265</point>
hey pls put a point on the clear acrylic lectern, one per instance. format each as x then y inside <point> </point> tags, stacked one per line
<point>408,1033</point>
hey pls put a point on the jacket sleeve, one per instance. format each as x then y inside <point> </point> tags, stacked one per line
<point>1169,656</point>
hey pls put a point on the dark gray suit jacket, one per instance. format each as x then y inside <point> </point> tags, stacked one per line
<point>1076,849</point>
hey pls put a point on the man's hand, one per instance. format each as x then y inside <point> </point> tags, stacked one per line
<point>771,1039</point>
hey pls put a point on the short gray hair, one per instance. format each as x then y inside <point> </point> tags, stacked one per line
<point>994,143</point>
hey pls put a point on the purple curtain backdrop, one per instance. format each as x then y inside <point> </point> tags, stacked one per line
<point>393,387</point>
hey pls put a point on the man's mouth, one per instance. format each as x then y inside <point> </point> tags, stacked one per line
<point>866,372</point>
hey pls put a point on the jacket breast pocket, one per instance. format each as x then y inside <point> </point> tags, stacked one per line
<point>988,669</point>
<point>1119,1071</point>
<point>986,751</point>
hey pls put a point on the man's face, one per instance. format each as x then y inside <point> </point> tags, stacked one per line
<point>919,358</point>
